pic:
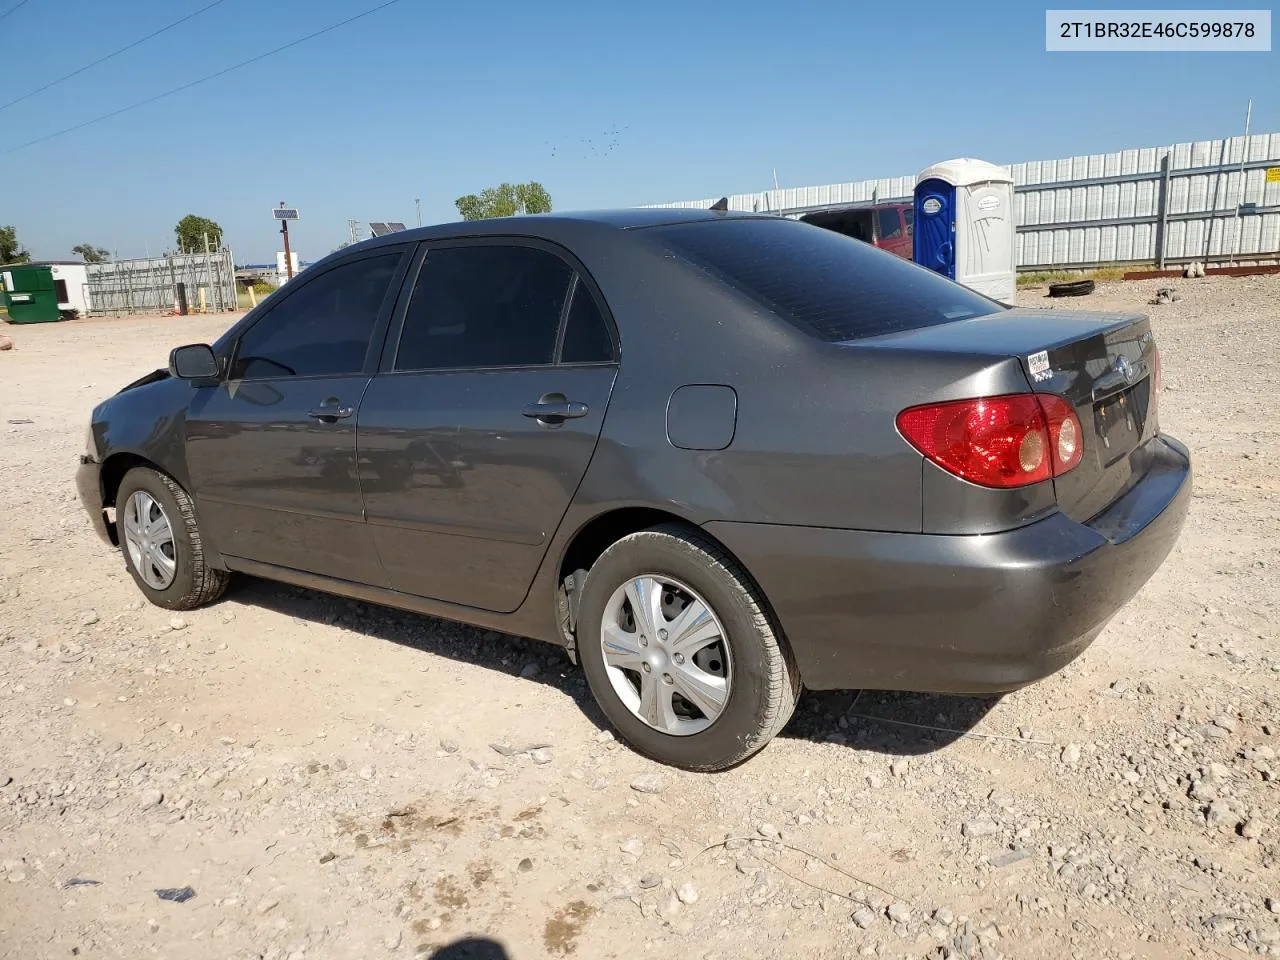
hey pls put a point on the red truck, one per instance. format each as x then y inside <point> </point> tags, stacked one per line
<point>885,225</point>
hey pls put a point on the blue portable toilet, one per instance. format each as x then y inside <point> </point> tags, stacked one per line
<point>964,225</point>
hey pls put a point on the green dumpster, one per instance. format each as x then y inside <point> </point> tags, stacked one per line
<point>30,294</point>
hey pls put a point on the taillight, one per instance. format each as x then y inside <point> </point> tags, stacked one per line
<point>1007,441</point>
<point>1065,437</point>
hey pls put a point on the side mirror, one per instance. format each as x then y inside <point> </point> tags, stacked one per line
<point>193,362</point>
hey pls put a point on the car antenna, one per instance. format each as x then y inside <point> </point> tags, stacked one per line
<point>721,205</point>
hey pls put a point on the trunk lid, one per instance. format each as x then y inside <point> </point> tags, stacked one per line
<point>1101,363</point>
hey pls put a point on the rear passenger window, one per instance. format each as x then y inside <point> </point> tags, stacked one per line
<point>484,306</point>
<point>586,335</point>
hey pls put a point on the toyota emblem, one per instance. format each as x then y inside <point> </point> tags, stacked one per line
<point>1124,368</point>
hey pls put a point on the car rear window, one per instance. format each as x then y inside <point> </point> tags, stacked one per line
<point>831,286</point>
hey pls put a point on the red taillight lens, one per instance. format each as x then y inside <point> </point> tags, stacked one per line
<point>1007,441</point>
<point>1065,438</point>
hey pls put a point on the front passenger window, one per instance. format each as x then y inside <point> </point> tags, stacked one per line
<point>321,330</point>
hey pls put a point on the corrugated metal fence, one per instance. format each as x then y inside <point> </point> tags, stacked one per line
<point>150,285</point>
<point>1211,200</point>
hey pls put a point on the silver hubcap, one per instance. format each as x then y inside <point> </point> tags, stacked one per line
<point>666,654</point>
<point>149,540</point>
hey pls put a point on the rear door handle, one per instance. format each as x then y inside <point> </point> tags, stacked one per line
<point>553,409</point>
<point>331,411</point>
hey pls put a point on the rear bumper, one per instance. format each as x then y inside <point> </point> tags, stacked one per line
<point>961,614</point>
<point>89,486</point>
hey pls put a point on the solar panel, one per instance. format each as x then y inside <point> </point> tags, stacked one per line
<point>396,227</point>
<point>378,228</point>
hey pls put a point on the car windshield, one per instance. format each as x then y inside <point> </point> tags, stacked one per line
<point>833,287</point>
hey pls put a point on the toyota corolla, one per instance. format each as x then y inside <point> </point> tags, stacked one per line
<point>717,457</point>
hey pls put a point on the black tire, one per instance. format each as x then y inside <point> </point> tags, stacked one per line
<point>1072,288</point>
<point>195,583</point>
<point>764,682</point>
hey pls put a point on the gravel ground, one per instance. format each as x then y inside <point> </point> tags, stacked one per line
<point>332,779</point>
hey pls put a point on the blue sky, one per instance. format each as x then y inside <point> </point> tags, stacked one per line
<point>607,104</point>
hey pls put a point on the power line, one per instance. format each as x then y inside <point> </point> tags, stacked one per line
<point>109,56</point>
<point>204,79</point>
<point>15,8</point>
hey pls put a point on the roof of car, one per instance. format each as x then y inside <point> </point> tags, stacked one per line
<point>545,223</point>
<point>634,218</point>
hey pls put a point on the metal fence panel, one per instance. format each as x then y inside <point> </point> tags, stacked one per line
<point>1186,201</point>
<point>149,285</point>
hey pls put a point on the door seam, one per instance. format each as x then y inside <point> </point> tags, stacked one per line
<point>364,507</point>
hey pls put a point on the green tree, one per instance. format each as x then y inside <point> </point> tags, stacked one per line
<point>505,200</point>
<point>91,254</point>
<point>11,251</point>
<point>533,197</point>
<point>191,231</point>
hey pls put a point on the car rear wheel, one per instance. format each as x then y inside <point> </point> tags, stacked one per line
<point>161,542</point>
<point>680,652</point>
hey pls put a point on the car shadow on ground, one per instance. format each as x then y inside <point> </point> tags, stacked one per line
<point>878,721</point>
<point>487,649</point>
<point>887,721</point>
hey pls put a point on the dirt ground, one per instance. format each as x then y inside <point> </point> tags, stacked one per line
<point>338,780</point>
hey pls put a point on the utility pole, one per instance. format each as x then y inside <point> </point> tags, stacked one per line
<point>417,203</point>
<point>284,232</point>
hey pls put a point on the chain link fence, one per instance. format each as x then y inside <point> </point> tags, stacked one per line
<point>150,285</point>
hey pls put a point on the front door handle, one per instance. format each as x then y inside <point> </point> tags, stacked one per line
<point>331,411</point>
<point>554,409</point>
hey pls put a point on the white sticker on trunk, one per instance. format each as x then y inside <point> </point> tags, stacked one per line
<point>1038,364</point>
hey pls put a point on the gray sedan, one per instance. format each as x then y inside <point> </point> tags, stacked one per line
<point>717,457</point>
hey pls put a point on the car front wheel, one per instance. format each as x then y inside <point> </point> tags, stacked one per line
<point>680,652</point>
<point>161,543</point>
